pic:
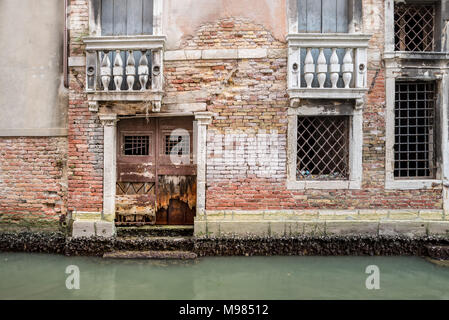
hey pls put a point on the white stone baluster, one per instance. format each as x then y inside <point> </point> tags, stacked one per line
<point>130,70</point>
<point>309,68</point>
<point>321,68</point>
<point>334,68</point>
<point>348,68</point>
<point>143,71</point>
<point>118,70</point>
<point>105,71</point>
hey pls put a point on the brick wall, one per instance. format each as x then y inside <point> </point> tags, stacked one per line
<point>248,97</point>
<point>33,182</point>
<point>85,152</point>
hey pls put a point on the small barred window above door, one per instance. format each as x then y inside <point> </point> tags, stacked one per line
<point>136,145</point>
<point>177,145</point>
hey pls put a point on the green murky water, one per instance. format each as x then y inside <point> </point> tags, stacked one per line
<point>39,276</point>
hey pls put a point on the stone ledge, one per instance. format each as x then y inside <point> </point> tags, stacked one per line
<point>326,214</point>
<point>282,228</point>
<point>178,255</point>
<point>89,228</point>
<point>77,61</point>
<point>212,54</point>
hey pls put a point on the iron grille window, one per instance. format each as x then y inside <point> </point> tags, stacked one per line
<point>414,149</point>
<point>323,148</point>
<point>182,144</point>
<point>414,27</point>
<point>136,145</point>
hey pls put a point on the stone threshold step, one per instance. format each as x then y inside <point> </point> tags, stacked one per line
<point>161,231</point>
<point>179,255</point>
<point>154,238</point>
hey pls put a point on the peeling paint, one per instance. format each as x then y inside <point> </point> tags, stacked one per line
<point>182,188</point>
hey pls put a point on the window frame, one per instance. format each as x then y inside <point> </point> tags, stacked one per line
<point>437,69</point>
<point>95,18</point>
<point>355,146</point>
<point>390,43</point>
<point>432,153</point>
<point>435,34</point>
<point>355,17</point>
<point>441,135</point>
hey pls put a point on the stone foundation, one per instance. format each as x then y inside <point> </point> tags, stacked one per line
<point>57,243</point>
<point>292,223</point>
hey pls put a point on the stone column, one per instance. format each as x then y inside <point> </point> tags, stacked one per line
<point>109,122</point>
<point>444,115</point>
<point>200,128</point>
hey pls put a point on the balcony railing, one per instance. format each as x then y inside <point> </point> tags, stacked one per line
<point>125,68</point>
<point>327,66</point>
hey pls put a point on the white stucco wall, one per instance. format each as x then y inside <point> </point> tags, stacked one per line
<point>32,97</point>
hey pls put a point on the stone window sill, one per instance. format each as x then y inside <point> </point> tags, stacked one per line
<point>412,184</point>
<point>323,185</point>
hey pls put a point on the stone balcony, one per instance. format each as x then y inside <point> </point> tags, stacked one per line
<point>124,68</point>
<point>327,66</point>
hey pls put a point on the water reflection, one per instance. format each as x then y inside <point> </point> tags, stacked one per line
<point>34,276</point>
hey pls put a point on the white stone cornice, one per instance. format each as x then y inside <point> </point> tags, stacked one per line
<point>417,55</point>
<point>109,43</point>
<point>213,54</point>
<point>108,120</point>
<point>331,40</point>
<point>204,117</point>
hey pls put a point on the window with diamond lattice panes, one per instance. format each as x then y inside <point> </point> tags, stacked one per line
<point>323,148</point>
<point>414,27</point>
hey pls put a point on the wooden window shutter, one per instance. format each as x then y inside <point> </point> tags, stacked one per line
<point>322,16</point>
<point>126,17</point>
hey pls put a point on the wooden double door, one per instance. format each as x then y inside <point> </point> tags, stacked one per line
<point>156,174</point>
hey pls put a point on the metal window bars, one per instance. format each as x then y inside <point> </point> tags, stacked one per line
<point>177,145</point>
<point>136,145</point>
<point>414,27</point>
<point>414,149</point>
<point>323,148</point>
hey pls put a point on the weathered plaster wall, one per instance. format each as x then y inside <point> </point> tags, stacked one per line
<point>32,98</point>
<point>33,103</point>
<point>181,18</point>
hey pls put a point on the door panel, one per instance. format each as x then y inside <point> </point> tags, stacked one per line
<point>156,177</point>
<point>136,172</point>
<point>176,199</point>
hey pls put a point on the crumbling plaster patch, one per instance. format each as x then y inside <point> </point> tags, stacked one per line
<point>178,25</point>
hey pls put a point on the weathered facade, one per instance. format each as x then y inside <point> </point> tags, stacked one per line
<point>267,117</point>
<point>33,119</point>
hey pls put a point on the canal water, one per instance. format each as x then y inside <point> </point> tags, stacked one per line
<point>41,276</point>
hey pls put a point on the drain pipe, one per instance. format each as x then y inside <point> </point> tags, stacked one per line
<point>65,48</point>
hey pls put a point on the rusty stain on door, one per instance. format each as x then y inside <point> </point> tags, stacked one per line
<point>152,188</point>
